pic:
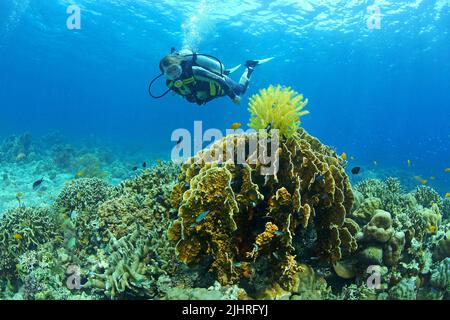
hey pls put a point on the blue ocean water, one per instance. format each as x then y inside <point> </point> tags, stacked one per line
<point>378,92</point>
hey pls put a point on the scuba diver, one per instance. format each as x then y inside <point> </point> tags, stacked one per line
<point>201,78</point>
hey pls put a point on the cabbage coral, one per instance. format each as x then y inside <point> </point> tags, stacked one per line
<point>279,107</point>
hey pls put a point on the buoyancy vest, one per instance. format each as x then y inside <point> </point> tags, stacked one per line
<point>195,89</point>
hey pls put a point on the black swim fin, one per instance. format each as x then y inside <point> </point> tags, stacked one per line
<point>254,63</point>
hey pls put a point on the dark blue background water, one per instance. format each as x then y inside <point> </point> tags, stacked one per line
<point>376,94</point>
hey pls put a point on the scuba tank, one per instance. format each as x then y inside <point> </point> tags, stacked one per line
<point>205,61</point>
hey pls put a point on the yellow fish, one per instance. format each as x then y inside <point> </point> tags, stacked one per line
<point>432,178</point>
<point>422,181</point>
<point>432,229</point>
<point>159,162</point>
<point>447,170</point>
<point>409,163</point>
<point>235,126</point>
<point>19,194</point>
<point>447,195</point>
<point>79,174</point>
<point>18,236</point>
<point>344,156</point>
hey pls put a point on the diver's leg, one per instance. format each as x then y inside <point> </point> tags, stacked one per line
<point>245,78</point>
<point>238,88</point>
<point>250,67</point>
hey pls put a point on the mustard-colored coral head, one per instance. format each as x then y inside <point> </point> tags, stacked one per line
<point>279,107</point>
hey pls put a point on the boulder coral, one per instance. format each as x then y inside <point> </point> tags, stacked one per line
<point>442,248</point>
<point>440,276</point>
<point>379,228</point>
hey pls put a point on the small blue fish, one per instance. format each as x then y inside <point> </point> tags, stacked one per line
<point>202,216</point>
<point>278,233</point>
<point>320,179</point>
<point>193,226</point>
<point>237,264</point>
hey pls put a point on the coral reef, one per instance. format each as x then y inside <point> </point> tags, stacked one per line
<point>23,229</point>
<point>132,265</point>
<point>16,148</point>
<point>90,166</point>
<point>426,197</point>
<point>143,201</point>
<point>247,223</point>
<point>232,222</point>
<point>403,234</point>
<point>379,227</point>
<point>63,156</point>
<point>440,276</point>
<point>84,194</point>
<point>44,273</point>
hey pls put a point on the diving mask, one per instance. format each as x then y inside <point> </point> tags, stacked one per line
<point>173,72</point>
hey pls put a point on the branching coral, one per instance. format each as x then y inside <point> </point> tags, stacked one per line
<point>279,107</point>
<point>44,274</point>
<point>24,229</point>
<point>427,196</point>
<point>143,201</point>
<point>83,195</point>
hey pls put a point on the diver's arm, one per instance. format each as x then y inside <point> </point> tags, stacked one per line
<point>203,73</point>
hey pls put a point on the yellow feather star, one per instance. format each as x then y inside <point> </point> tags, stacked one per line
<point>279,107</point>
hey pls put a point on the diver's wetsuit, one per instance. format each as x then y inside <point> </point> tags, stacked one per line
<point>201,86</point>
